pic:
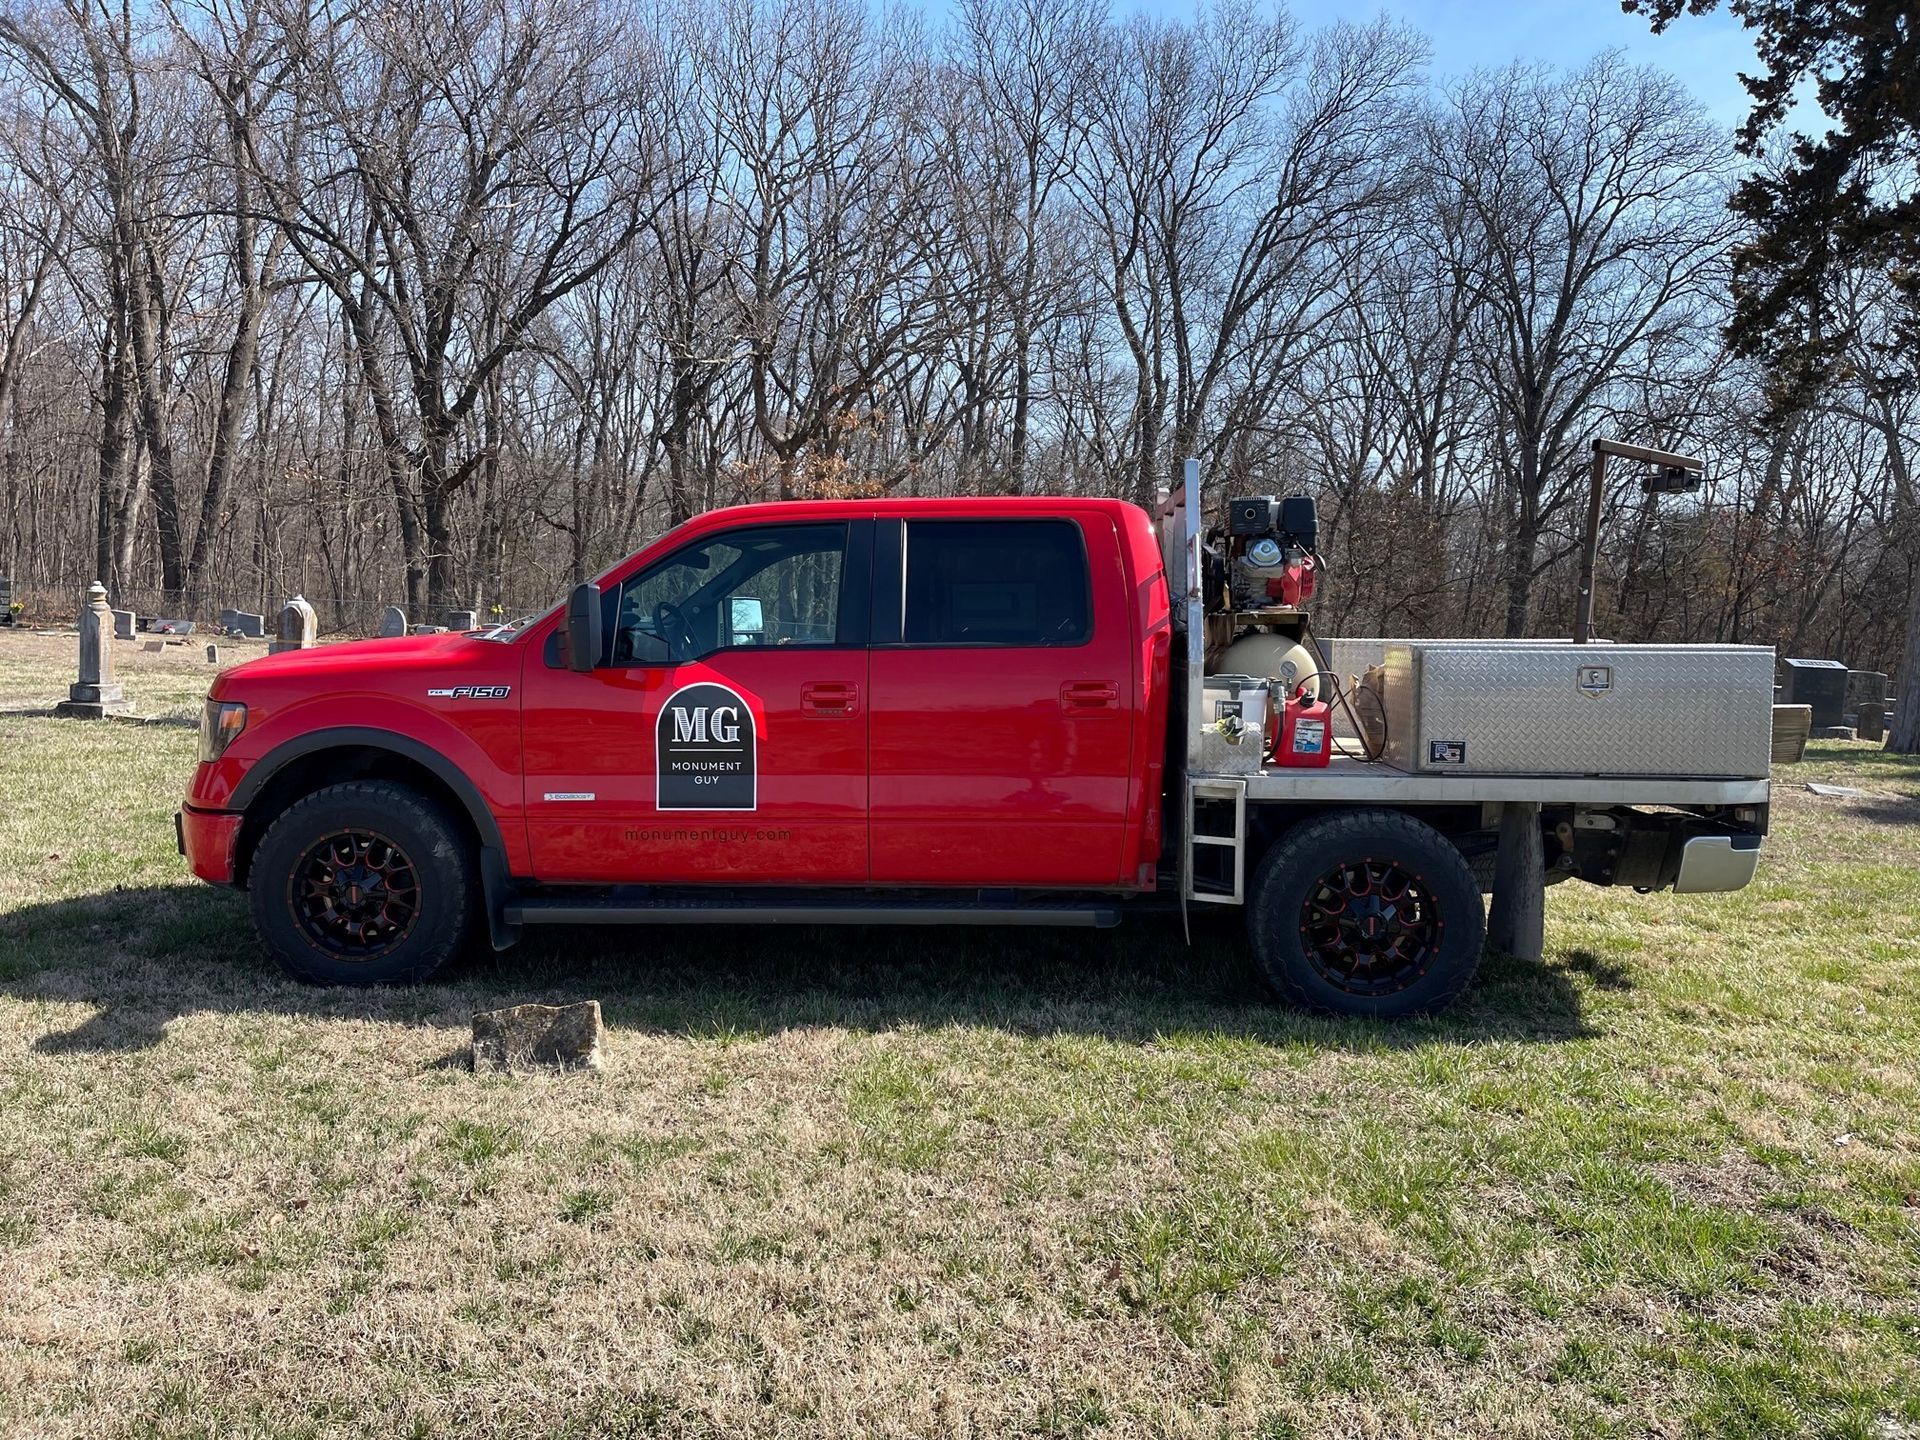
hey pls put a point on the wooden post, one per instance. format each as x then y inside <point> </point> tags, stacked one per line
<point>1590,549</point>
<point>1596,495</point>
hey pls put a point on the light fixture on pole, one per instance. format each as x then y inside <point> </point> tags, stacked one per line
<point>1672,474</point>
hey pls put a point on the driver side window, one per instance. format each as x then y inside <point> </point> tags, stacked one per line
<point>777,585</point>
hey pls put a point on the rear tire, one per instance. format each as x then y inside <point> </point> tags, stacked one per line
<point>365,883</point>
<point>1366,912</point>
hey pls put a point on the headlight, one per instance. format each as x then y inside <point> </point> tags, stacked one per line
<point>220,725</point>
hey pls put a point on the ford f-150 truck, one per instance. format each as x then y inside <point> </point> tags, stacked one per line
<point>964,711</point>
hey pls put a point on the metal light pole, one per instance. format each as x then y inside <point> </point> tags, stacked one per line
<point>1676,472</point>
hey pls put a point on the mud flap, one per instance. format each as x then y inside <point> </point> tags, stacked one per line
<point>496,888</point>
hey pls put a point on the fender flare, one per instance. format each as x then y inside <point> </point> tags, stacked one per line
<point>496,885</point>
<point>368,737</point>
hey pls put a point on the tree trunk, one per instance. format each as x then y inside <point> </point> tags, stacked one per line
<point>113,442</point>
<point>236,385</point>
<point>1904,738</point>
<point>1520,551</point>
<point>145,326</point>
<point>436,507</point>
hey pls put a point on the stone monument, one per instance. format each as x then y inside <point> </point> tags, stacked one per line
<point>393,623</point>
<point>94,695</point>
<point>463,620</point>
<point>123,624</point>
<point>299,627</point>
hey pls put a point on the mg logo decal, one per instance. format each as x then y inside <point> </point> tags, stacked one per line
<point>705,752</point>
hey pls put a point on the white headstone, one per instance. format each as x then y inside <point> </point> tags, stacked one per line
<point>299,626</point>
<point>123,624</point>
<point>393,622</point>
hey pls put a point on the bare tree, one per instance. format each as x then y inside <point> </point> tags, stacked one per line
<point>448,173</point>
<point>1596,212</point>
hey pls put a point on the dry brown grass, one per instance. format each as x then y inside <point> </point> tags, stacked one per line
<point>895,1184</point>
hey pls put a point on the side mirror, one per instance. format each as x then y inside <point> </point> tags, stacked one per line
<point>584,640</point>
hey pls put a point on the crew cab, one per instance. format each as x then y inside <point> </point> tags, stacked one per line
<point>963,711</point>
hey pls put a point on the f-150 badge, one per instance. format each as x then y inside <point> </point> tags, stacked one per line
<point>705,751</point>
<point>471,692</point>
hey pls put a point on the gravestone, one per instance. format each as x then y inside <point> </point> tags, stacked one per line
<point>1792,726</point>
<point>429,630</point>
<point>299,627</point>
<point>169,627</point>
<point>463,619</point>
<point>213,654</point>
<point>1873,721</point>
<point>393,623</point>
<point>1864,686</point>
<point>94,695</point>
<point>123,624</point>
<point>6,601</point>
<point>243,622</point>
<point>1821,684</point>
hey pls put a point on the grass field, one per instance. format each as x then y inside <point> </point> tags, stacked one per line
<point>908,1184</point>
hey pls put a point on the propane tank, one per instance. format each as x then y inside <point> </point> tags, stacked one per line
<point>1304,733</point>
<point>1279,658</point>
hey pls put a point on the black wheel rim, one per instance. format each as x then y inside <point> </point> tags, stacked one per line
<point>1370,927</point>
<point>356,894</point>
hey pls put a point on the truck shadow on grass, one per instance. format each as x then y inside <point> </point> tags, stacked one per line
<point>148,956</point>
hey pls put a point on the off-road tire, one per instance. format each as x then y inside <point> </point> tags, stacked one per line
<point>1302,861</point>
<point>433,850</point>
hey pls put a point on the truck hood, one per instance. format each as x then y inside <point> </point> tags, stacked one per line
<point>355,662</point>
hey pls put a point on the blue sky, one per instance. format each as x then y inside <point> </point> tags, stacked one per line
<point>1706,52</point>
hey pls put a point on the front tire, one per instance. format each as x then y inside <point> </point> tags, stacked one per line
<point>1366,912</point>
<point>365,883</point>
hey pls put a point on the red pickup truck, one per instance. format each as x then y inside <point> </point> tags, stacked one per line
<point>917,711</point>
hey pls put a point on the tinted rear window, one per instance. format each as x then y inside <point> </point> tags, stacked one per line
<point>996,582</point>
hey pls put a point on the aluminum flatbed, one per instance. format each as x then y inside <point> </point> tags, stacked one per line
<point>1347,779</point>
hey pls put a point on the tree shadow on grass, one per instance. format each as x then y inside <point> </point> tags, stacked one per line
<point>149,956</point>
<point>1883,809</point>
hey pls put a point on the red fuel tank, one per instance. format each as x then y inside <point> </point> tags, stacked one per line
<point>1304,734</point>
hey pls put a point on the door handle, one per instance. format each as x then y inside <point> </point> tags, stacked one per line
<point>827,699</point>
<point>1090,697</point>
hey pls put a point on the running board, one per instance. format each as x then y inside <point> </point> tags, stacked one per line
<point>680,910</point>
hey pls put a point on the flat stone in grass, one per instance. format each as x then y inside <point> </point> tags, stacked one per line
<point>564,1036</point>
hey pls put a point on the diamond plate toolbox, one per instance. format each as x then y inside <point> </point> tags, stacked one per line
<point>1493,707</point>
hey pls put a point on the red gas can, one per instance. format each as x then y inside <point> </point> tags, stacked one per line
<point>1305,733</point>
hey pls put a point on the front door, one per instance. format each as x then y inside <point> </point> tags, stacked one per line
<point>1002,684</point>
<point>724,739</point>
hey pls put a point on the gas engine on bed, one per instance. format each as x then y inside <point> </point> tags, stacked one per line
<point>1264,679</point>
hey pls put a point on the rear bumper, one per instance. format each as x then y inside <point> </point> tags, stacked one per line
<point>1716,862</point>
<point>206,838</point>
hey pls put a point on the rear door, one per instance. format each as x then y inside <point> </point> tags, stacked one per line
<point>724,739</point>
<point>1000,739</point>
